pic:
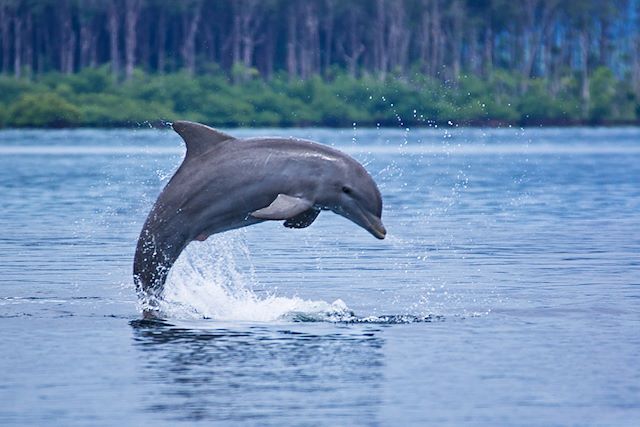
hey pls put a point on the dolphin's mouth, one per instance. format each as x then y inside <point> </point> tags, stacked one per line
<point>380,233</point>
<point>376,228</point>
<point>372,224</point>
<point>363,218</point>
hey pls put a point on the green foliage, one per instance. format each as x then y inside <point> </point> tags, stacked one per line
<point>625,104</point>
<point>91,80</point>
<point>602,89</point>
<point>92,98</point>
<point>114,110</point>
<point>537,105</point>
<point>11,89</point>
<point>43,110</point>
<point>241,73</point>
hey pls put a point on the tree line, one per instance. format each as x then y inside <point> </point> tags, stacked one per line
<point>556,47</point>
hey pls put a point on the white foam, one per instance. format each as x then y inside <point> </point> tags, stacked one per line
<point>207,282</point>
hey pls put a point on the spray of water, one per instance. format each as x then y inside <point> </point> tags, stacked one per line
<point>210,280</point>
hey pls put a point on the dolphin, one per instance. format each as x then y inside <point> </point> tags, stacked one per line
<point>225,183</point>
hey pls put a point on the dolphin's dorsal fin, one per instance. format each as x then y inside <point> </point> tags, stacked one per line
<point>283,207</point>
<point>198,137</point>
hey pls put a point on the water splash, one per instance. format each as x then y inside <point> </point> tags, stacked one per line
<point>207,282</point>
<point>211,281</point>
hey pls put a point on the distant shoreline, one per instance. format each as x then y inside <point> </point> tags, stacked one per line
<point>475,125</point>
<point>92,98</point>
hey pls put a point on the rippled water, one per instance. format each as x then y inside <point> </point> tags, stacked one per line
<point>506,293</point>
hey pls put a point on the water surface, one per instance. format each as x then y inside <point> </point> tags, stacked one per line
<point>506,293</point>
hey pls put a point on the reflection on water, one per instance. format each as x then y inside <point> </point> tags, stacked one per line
<point>218,374</point>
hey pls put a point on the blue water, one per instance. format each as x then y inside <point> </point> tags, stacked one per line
<point>506,293</point>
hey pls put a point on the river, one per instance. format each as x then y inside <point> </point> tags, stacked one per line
<point>507,291</point>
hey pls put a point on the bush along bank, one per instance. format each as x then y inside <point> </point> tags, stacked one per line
<point>92,98</point>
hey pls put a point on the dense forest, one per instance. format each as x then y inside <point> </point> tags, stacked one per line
<point>329,62</point>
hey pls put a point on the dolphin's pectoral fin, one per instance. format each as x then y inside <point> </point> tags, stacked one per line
<point>283,207</point>
<point>303,220</point>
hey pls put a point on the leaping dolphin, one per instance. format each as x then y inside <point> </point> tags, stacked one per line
<point>225,183</point>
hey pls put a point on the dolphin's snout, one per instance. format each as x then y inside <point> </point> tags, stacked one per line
<point>373,224</point>
<point>377,228</point>
<point>380,232</point>
<point>365,219</point>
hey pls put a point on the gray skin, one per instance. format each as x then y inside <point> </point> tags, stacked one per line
<point>226,183</point>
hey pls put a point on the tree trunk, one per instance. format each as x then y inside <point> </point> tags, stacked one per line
<point>132,11</point>
<point>4,34</point>
<point>114,39</point>
<point>236,40</point>
<point>603,42</point>
<point>68,39</point>
<point>43,46</point>
<point>436,39</point>
<point>424,37</point>
<point>547,54</point>
<point>161,40</point>
<point>356,48</point>
<point>380,52</point>
<point>487,61</point>
<point>144,44</point>
<point>327,26</point>
<point>584,66</point>
<point>535,32</point>
<point>470,57</point>
<point>209,42</point>
<point>292,58</point>
<point>397,43</point>
<point>456,43</point>
<point>249,22</point>
<point>28,49</point>
<point>269,51</point>
<point>17,46</point>
<point>86,40</point>
<point>310,42</point>
<point>70,66</point>
<point>6,18</point>
<point>188,50</point>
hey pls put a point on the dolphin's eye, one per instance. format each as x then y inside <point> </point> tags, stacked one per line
<point>346,190</point>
